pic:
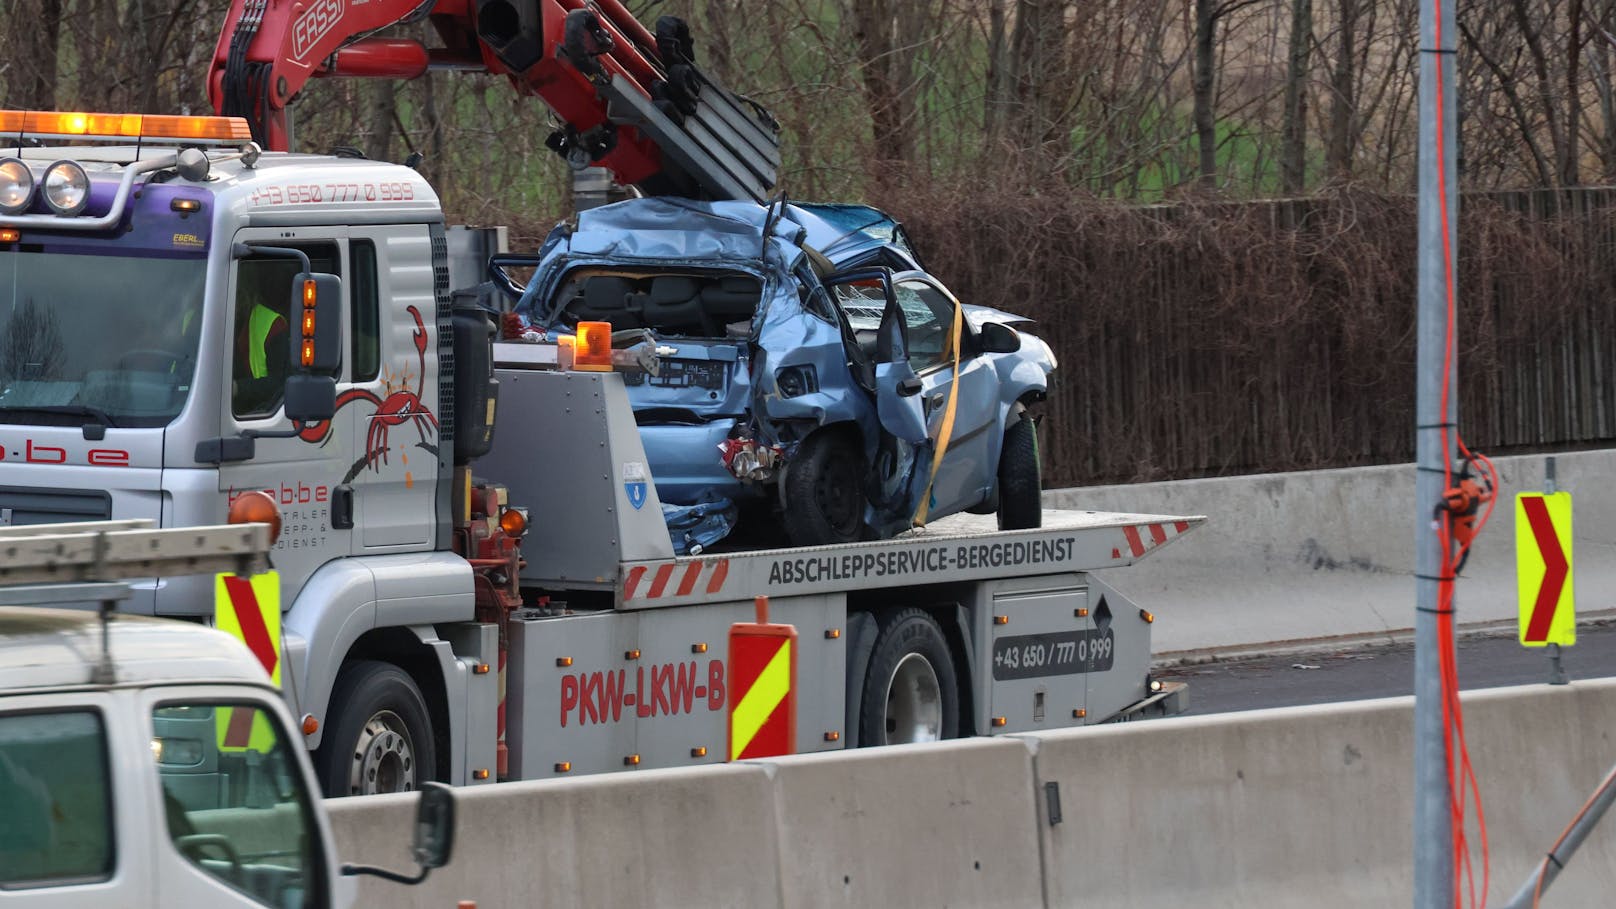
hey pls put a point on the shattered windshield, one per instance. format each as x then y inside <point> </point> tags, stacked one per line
<point>111,339</point>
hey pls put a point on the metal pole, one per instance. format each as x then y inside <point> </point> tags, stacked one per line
<point>1557,674</point>
<point>1433,828</point>
<point>1563,850</point>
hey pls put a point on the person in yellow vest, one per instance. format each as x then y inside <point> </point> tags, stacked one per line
<point>262,335</point>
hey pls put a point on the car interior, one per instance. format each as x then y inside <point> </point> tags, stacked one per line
<point>704,305</point>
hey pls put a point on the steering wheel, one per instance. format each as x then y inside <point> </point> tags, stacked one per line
<point>192,844</point>
<point>164,359</point>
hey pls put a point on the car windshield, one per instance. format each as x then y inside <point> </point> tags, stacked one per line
<point>84,337</point>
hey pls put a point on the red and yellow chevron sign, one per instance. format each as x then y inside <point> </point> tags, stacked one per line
<point>763,692</point>
<point>249,608</point>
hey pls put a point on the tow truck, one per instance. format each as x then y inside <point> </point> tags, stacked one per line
<point>114,787</point>
<point>190,318</point>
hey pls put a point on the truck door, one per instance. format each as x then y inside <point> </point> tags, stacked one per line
<point>393,414</point>
<point>304,468</point>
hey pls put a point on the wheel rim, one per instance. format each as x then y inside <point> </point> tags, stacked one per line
<point>837,496</point>
<point>914,702</point>
<point>384,757</point>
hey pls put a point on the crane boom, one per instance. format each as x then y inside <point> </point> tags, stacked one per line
<point>629,99</point>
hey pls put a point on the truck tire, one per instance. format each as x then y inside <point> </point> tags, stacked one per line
<point>822,493</point>
<point>1021,490</point>
<point>910,691</point>
<point>379,736</point>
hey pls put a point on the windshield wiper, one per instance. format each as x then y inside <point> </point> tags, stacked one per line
<point>95,414</point>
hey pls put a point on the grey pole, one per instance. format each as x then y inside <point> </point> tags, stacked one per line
<point>1557,674</point>
<point>1433,828</point>
<point>1563,850</point>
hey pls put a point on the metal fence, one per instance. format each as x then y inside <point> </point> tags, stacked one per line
<point>1214,338</point>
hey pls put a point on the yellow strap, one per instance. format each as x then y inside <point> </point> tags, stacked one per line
<point>946,431</point>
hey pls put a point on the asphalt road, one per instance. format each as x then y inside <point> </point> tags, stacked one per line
<point>1381,671</point>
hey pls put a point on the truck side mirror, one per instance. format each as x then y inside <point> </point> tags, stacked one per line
<point>434,826</point>
<point>316,348</point>
<point>317,318</point>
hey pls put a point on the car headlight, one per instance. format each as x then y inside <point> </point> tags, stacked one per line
<point>796,380</point>
<point>16,186</point>
<point>67,188</point>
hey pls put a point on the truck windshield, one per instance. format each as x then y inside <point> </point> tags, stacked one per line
<point>236,802</point>
<point>97,338</point>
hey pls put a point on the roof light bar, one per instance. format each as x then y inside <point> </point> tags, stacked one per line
<point>145,127</point>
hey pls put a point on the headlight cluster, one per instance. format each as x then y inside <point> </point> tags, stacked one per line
<point>66,187</point>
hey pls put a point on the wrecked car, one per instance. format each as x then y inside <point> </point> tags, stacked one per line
<point>808,370</point>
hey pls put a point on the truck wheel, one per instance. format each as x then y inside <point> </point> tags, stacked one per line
<point>380,737</point>
<point>1020,484</point>
<point>910,694</point>
<point>823,491</point>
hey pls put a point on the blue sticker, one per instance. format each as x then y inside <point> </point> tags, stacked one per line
<point>634,475</point>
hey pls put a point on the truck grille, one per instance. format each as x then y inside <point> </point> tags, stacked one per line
<point>19,506</point>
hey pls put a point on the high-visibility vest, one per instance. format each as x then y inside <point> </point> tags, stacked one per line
<point>259,325</point>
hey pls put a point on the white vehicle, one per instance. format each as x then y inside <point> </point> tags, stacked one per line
<point>188,319</point>
<point>115,789</point>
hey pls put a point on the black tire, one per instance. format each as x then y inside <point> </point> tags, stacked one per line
<point>1021,490</point>
<point>896,705</point>
<point>824,490</point>
<point>379,734</point>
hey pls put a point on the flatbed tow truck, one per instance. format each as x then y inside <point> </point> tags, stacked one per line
<point>532,620</point>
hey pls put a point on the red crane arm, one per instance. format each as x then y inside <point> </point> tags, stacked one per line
<point>631,100</point>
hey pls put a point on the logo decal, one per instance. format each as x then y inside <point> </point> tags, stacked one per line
<point>401,406</point>
<point>634,483</point>
<point>314,24</point>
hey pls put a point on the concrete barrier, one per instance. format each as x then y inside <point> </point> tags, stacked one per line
<point>682,837</point>
<point>1278,808</point>
<point>1321,553</point>
<point>1314,805</point>
<point>949,824</point>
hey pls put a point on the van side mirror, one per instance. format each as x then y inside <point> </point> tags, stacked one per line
<point>434,826</point>
<point>996,337</point>
<point>434,836</point>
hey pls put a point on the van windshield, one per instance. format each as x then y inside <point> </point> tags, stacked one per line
<point>97,338</point>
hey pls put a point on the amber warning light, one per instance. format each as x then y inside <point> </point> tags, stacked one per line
<point>592,349</point>
<point>256,508</point>
<point>148,127</point>
<point>309,295</point>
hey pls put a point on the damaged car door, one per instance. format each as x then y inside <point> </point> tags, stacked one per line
<point>879,327</point>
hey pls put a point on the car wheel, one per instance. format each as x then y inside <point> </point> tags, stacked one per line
<point>823,491</point>
<point>1020,482</point>
<point>380,737</point>
<point>910,693</point>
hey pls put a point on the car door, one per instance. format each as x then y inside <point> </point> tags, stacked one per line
<point>958,397</point>
<point>873,318</point>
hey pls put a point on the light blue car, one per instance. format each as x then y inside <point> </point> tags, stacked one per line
<point>808,377</point>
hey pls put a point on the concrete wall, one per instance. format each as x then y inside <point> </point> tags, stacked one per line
<point>1270,808</point>
<point>1331,552</point>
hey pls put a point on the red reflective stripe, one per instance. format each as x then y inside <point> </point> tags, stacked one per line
<point>720,572</point>
<point>1181,526</point>
<point>1158,533</point>
<point>253,631</point>
<point>633,581</point>
<point>238,732</point>
<point>660,581</point>
<point>688,582</point>
<point>1134,543</point>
